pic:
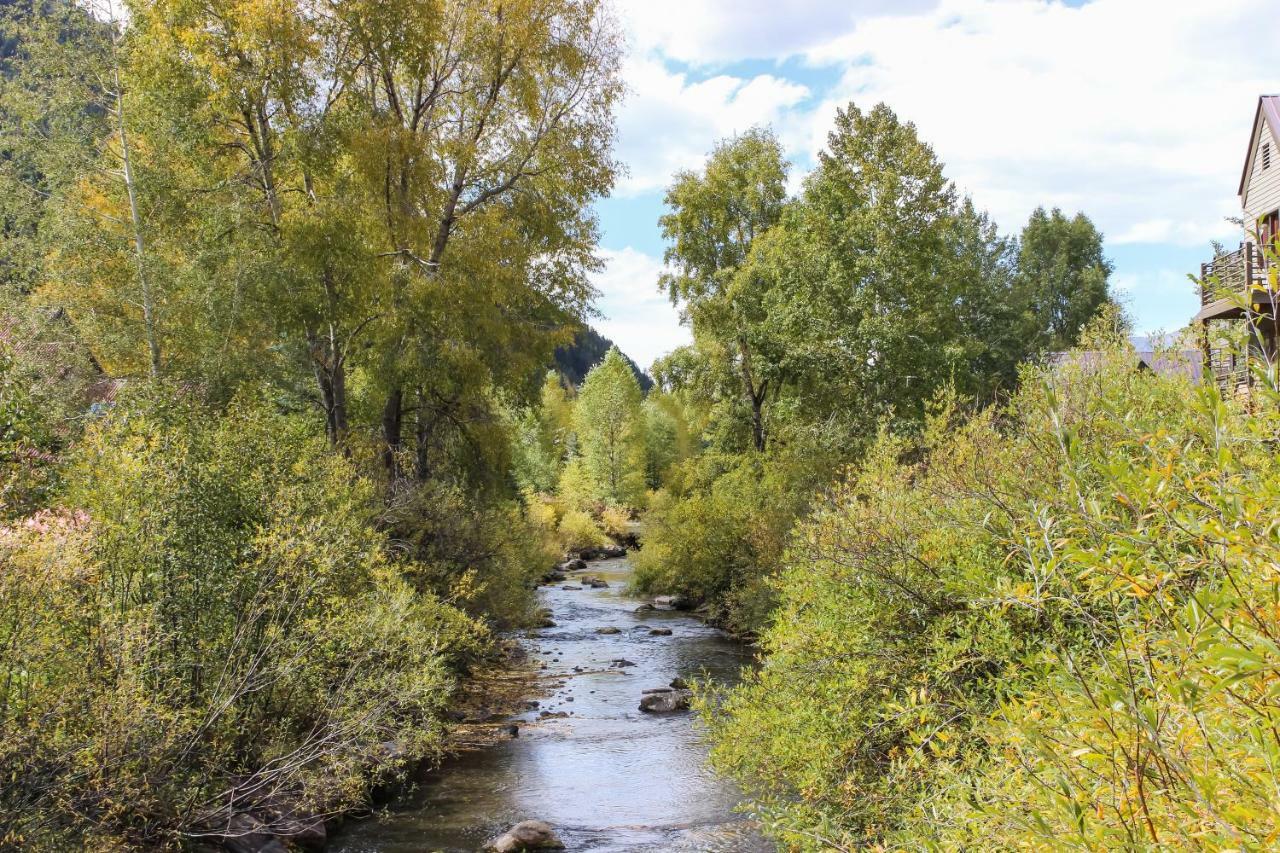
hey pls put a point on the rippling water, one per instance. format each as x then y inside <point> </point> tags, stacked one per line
<point>607,777</point>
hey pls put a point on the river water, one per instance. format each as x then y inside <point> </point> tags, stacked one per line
<point>607,777</point>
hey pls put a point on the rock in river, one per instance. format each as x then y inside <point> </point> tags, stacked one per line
<point>609,629</point>
<point>526,835</point>
<point>665,702</point>
<point>660,632</point>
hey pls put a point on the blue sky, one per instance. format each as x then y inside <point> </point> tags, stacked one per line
<point>1136,112</point>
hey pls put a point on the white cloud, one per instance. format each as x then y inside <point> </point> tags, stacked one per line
<point>636,315</point>
<point>709,32</point>
<point>1135,111</point>
<point>670,122</point>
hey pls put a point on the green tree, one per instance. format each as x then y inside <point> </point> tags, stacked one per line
<point>544,437</point>
<point>716,216</point>
<point>609,422</point>
<point>51,121</point>
<point>1063,278</point>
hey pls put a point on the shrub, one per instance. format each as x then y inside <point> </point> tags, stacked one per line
<point>578,532</point>
<point>481,554</point>
<point>213,621</point>
<point>1050,628</point>
<point>720,544</point>
<point>616,522</point>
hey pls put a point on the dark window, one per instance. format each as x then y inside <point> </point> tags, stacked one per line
<point>1266,156</point>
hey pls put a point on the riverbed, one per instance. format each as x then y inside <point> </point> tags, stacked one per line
<point>606,776</point>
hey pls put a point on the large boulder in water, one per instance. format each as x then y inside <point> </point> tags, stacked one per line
<point>665,702</point>
<point>526,835</point>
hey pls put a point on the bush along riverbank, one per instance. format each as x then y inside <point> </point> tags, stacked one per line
<point>216,634</point>
<point>1047,626</point>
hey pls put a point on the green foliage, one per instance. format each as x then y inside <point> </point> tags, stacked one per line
<point>578,532</point>
<point>1049,627</point>
<point>543,438</point>
<point>1062,277</point>
<point>610,432</point>
<point>211,617</point>
<point>718,544</point>
<point>481,556</point>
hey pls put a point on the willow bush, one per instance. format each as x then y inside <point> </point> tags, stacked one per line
<point>208,623</point>
<point>1053,626</point>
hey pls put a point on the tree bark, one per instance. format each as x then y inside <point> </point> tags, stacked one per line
<point>135,215</point>
<point>422,440</point>
<point>392,429</point>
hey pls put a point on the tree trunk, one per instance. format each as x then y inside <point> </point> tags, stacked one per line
<point>135,216</point>
<point>757,421</point>
<point>328,365</point>
<point>422,440</point>
<point>392,428</point>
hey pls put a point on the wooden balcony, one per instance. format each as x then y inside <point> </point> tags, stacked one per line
<point>1234,280</point>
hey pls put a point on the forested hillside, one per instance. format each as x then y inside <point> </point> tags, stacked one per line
<point>588,349</point>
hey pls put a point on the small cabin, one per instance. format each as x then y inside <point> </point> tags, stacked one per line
<point>1237,317</point>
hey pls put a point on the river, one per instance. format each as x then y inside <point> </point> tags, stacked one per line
<point>607,777</point>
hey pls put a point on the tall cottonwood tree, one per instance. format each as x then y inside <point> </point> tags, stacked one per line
<point>401,189</point>
<point>1063,277</point>
<point>484,145</point>
<point>716,216</point>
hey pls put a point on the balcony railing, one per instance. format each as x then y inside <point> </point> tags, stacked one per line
<point>1232,274</point>
<point>1236,282</point>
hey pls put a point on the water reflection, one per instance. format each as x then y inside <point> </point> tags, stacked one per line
<point>606,776</point>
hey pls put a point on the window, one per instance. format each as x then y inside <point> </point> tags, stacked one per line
<point>1266,156</point>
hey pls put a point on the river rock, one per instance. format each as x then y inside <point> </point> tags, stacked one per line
<point>246,834</point>
<point>659,632</point>
<point>596,583</point>
<point>608,629</point>
<point>574,565</point>
<point>645,608</point>
<point>554,576</point>
<point>665,702</point>
<point>526,835</point>
<point>679,683</point>
<point>571,587</point>
<point>621,662</point>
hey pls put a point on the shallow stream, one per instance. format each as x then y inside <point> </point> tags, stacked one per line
<point>607,776</point>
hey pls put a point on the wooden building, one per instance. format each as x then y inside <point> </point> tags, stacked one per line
<point>1238,288</point>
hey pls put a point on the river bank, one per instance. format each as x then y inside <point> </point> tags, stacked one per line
<point>584,758</point>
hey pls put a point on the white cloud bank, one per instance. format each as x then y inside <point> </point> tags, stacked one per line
<point>635,314</point>
<point>670,122</point>
<point>1135,111</point>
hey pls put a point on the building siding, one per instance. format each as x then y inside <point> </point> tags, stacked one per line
<point>1262,192</point>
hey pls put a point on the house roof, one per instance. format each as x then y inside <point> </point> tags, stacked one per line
<point>1170,362</point>
<point>1268,111</point>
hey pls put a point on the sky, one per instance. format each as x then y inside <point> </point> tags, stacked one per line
<point>1136,112</point>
